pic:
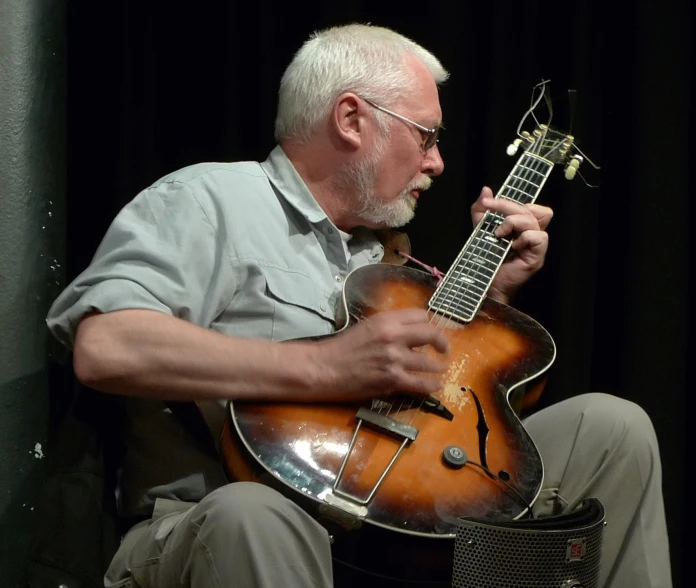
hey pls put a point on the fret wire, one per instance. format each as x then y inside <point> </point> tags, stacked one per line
<point>476,288</point>
<point>490,223</point>
<point>460,294</point>
<point>491,244</point>
<point>468,277</point>
<point>518,190</point>
<point>477,242</point>
<point>521,196</point>
<point>467,312</point>
<point>463,316</point>
<point>480,265</point>
<point>475,271</point>
<point>537,166</point>
<point>525,180</point>
<point>526,193</point>
<point>473,289</point>
<point>471,271</point>
<point>466,258</point>
<point>464,297</point>
<point>486,251</point>
<point>517,179</point>
<point>531,171</point>
<point>540,166</point>
<point>486,256</point>
<point>492,247</point>
<point>458,304</point>
<point>468,269</point>
<point>471,286</point>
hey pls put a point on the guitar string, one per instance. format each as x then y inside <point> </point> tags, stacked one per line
<point>528,167</point>
<point>451,290</point>
<point>513,182</point>
<point>479,247</point>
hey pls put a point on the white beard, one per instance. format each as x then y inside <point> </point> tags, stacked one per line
<point>369,207</point>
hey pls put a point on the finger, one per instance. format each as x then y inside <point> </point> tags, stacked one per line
<point>479,206</point>
<point>418,384</point>
<point>506,207</point>
<point>418,361</point>
<point>420,335</point>
<point>404,316</point>
<point>537,242</point>
<point>543,214</point>
<point>517,223</point>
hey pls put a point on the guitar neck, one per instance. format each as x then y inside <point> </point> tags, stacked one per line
<point>464,287</point>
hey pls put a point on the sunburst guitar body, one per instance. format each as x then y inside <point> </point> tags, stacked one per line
<point>391,477</point>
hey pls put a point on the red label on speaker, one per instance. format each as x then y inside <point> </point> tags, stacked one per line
<point>575,550</point>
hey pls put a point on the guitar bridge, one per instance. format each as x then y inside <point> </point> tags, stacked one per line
<point>383,424</point>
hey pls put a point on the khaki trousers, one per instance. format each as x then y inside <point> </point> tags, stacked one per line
<point>246,535</point>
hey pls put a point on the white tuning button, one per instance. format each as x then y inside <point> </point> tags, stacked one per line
<point>572,167</point>
<point>512,147</point>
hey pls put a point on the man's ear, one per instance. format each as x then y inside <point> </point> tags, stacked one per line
<point>348,119</point>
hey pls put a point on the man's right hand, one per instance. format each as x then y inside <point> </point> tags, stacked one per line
<point>393,351</point>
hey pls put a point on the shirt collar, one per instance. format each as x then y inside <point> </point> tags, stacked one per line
<point>283,175</point>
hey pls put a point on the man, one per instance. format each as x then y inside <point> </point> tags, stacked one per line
<point>203,273</point>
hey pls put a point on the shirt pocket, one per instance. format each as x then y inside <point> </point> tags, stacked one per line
<point>300,307</point>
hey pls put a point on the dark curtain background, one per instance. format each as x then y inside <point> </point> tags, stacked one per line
<point>152,89</point>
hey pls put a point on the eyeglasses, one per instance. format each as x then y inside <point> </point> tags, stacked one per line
<point>430,136</point>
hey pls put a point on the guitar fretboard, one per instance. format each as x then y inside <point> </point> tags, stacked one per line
<point>465,285</point>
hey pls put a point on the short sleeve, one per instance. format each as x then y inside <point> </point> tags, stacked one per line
<point>160,253</point>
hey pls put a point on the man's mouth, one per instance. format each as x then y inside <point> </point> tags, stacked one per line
<point>422,186</point>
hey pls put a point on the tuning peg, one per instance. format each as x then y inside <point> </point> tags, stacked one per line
<point>572,167</point>
<point>512,147</point>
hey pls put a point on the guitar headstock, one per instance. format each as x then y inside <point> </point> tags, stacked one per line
<point>546,141</point>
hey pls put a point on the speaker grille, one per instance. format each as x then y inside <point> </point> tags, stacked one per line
<point>562,554</point>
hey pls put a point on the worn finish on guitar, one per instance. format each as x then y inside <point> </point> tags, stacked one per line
<point>494,361</point>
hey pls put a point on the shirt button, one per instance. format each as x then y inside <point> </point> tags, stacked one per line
<point>322,306</point>
<point>329,231</point>
<point>338,278</point>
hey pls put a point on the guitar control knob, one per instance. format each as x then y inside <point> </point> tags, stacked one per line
<point>454,457</point>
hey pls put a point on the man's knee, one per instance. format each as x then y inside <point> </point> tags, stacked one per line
<point>270,534</point>
<point>616,420</point>
<point>617,429</point>
<point>240,504</point>
<point>596,424</point>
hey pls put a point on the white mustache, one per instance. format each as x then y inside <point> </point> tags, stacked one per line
<point>422,185</point>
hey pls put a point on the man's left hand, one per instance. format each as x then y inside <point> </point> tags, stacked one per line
<point>526,226</point>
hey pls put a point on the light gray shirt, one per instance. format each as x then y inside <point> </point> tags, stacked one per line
<point>239,248</point>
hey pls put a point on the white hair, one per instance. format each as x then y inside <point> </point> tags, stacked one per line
<point>365,59</point>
